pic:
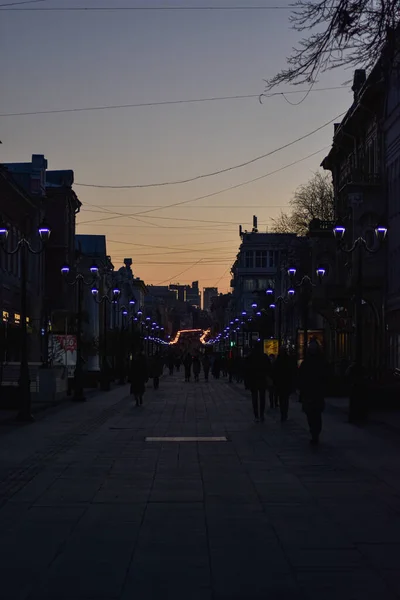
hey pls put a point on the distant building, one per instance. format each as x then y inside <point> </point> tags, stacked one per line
<point>260,265</point>
<point>132,288</point>
<point>181,291</point>
<point>208,294</point>
<point>193,295</point>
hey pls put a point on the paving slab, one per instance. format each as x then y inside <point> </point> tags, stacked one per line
<point>90,510</point>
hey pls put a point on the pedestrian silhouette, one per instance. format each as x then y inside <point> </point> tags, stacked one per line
<point>313,375</point>
<point>138,377</point>
<point>258,379</point>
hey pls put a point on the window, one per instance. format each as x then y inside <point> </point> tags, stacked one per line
<point>249,259</point>
<point>248,285</point>
<point>272,259</point>
<point>261,259</point>
<point>248,304</point>
<point>262,284</point>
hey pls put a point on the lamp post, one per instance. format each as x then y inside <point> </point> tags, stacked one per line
<point>104,371</point>
<point>306,286</point>
<point>360,245</point>
<point>23,247</point>
<point>122,357</point>
<point>79,282</point>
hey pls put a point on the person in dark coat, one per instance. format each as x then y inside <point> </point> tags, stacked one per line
<point>188,367</point>
<point>206,366</point>
<point>273,396</point>
<point>258,378</point>
<point>178,362</point>
<point>138,377</point>
<point>157,368</point>
<point>313,379</point>
<point>171,364</point>
<point>196,368</point>
<point>284,376</point>
<point>216,369</point>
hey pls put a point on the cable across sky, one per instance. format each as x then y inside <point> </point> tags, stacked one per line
<point>213,173</point>
<point>165,102</point>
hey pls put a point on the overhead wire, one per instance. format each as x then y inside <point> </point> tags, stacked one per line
<point>212,194</point>
<point>219,171</point>
<point>147,8</point>
<point>163,102</point>
<point>181,273</point>
<point>222,207</point>
<point>179,219</point>
<point>21,2</point>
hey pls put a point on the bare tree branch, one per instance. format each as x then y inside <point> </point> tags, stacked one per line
<point>311,200</point>
<point>350,33</point>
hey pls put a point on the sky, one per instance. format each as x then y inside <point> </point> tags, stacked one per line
<point>54,60</point>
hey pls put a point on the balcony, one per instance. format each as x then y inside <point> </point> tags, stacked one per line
<point>319,229</point>
<point>358,179</point>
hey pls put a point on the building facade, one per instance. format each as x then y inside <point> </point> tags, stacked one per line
<point>208,294</point>
<point>260,265</point>
<point>364,162</point>
<point>22,213</point>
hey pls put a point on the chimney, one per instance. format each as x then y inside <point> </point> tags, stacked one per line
<point>360,77</point>
<point>255,230</point>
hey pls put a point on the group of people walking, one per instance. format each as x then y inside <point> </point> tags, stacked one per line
<point>260,373</point>
<point>282,377</point>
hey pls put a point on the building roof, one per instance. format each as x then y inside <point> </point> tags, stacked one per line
<point>59,179</point>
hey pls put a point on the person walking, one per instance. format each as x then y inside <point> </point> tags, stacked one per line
<point>216,369</point>
<point>284,377</point>
<point>206,366</point>
<point>157,368</point>
<point>188,366</point>
<point>258,379</point>
<point>273,396</point>
<point>196,368</point>
<point>178,362</point>
<point>313,375</point>
<point>171,364</point>
<point>138,377</point>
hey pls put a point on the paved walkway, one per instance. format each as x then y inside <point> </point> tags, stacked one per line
<point>90,510</point>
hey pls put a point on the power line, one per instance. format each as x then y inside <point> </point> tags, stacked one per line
<point>143,8</point>
<point>232,187</point>
<point>176,249</point>
<point>238,185</point>
<point>202,260</point>
<point>220,171</point>
<point>230,206</point>
<point>178,219</point>
<point>23,2</point>
<point>164,102</point>
<point>149,245</point>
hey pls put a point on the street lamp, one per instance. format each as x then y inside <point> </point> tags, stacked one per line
<point>104,371</point>
<point>359,244</point>
<point>79,281</point>
<point>23,247</point>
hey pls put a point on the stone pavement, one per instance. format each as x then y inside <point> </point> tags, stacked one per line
<point>90,510</point>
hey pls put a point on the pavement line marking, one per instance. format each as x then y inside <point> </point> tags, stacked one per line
<point>186,439</point>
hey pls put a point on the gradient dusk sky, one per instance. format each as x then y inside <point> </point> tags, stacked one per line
<point>63,60</point>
